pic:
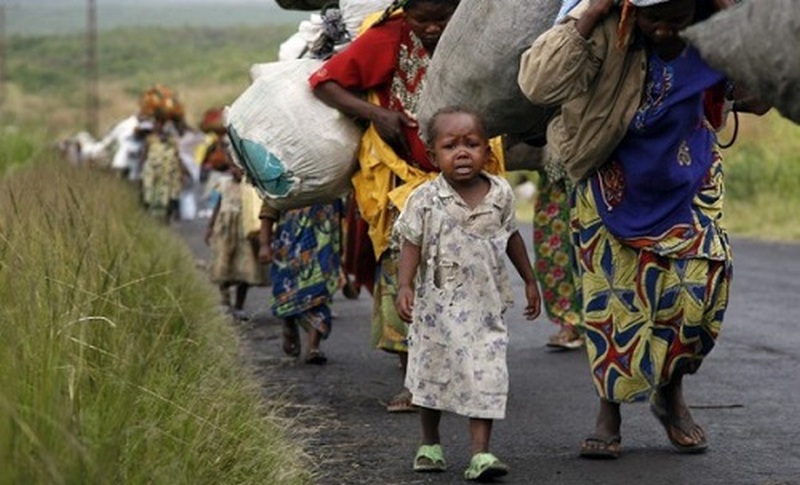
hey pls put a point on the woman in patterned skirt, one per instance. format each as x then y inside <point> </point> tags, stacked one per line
<point>304,249</point>
<point>636,135</point>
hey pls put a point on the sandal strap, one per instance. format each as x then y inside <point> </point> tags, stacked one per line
<point>434,453</point>
<point>481,463</point>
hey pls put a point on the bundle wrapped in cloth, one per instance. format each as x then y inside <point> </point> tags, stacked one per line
<point>295,149</point>
<point>212,122</point>
<point>477,61</point>
<point>161,102</point>
<point>755,44</point>
<point>329,31</point>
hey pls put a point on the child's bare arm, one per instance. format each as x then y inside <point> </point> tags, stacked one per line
<point>519,258</point>
<point>268,216</point>
<point>406,270</point>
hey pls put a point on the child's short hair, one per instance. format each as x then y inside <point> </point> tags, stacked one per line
<point>431,133</point>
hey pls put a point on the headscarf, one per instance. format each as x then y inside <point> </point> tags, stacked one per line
<point>646,3</point>
<point>627,19</point>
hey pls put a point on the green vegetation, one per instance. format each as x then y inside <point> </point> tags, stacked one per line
<point>207,66</point>
<point>763,180</point>
<point>18,147</point>
<point>113,371</point>
<point>58,17</point>
<point>114,368</point>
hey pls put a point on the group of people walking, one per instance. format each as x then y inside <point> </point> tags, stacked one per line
<point>631,259</point>
<point>631,256</point>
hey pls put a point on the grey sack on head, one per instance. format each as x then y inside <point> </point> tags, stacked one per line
<point>755,43</point>
<point>477,60</point>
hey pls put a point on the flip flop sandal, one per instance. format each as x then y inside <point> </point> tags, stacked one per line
<point>401,403</point>
<point>430,458</point>
<point>316,357</point>
<point>609,447</point>
<point>485,467</point>
<point>565,339</point>
<point>681,426</point>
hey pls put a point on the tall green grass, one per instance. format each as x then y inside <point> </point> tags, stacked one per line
<point>763,179</point>
<point>18,146</point>
<point>115,366</point>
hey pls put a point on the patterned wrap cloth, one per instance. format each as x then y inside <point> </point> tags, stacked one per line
<point>162,178</point>
<point>654,262</point>
<point>306,261</point>
<point>552,244</point>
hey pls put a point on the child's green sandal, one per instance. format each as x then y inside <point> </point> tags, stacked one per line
<point>430,458</point>
<point>484,467</point>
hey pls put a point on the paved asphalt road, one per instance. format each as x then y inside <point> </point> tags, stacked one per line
<point>747,395</point>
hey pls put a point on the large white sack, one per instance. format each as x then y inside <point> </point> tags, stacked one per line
<point>299,44</point>
<point>477,60</point>
<point>355,11</point>
<point>295,149</point>
<point>755,43</point>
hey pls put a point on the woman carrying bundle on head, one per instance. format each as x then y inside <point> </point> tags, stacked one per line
<point>635,132</point>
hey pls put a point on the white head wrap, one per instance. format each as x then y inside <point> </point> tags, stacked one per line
<point>646,3</point>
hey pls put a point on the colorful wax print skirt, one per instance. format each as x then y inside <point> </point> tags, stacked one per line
<point>552,245</point>
<point>306,264</point>
<point>651,307</point>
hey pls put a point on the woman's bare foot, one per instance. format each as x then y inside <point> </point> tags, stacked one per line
<point>669,407</point>
<point>606,441</point>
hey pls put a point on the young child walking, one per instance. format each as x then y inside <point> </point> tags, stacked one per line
<point>303,247</point>
<point>455,230</point>
<point>234,253</point>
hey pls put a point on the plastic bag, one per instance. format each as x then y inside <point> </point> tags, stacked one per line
<point>295,149</point>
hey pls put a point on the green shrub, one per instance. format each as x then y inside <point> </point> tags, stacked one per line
<point>18,146</point>
<point>763,180</point>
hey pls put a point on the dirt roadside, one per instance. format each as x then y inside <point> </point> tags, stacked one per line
<point>340,405</point>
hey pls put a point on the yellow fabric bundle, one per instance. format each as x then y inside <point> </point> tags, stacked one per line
<point>385,181</point>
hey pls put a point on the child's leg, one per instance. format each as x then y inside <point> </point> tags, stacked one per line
<point>429,418</point>
<point>480,432</point>
<point>483,466</point>
<point>314,355</point>
<point>314,338</point>
<point>290,337</point>
<point>430,456</point>
<point>241,296</point>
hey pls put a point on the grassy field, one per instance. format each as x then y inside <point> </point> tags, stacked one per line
<point>117,372</point>
<point>208,67</point>
<point>58,17</point>
<point>763,179</point>
<point>118,367</point>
